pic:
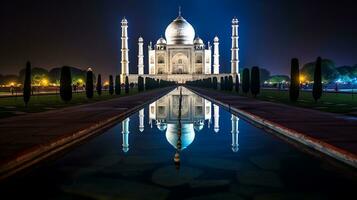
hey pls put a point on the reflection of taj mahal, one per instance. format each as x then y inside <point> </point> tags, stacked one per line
<point>195,114</point>
<point>179,56</point>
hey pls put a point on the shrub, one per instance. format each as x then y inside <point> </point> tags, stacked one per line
<point>89,84</point>
<point>237,83</point>
<point>317,87</point>
<point>255,81</point>
<point>27,84</point>
<point>127,85</point>
<point>111,85</point>
<point>66,84</point>
<point>294,80</point>
<point>117,85</point>
<point>99,85</point>
<point>245,81</point>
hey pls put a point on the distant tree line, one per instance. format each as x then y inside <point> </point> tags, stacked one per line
<point>66,83</point>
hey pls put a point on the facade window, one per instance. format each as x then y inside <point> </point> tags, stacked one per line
<point>199,59</point>
<point>161,60</point>
<point>180,61</point>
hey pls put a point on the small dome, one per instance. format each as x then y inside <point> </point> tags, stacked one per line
<point>124,21</point>
<point>198,41</point>
<point>198,125</point>
<point>161,126</point>
<point>179,32</point>
<point>141,128</point>
<point>235,21</point>
<point>141,39</point>
<point>161,41</point>
<point>235,148</point>
<point>215,39</point>
<point>187,135</point>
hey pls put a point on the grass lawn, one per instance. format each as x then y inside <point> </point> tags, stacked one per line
<point>330,102</point>
<point>11,106</point>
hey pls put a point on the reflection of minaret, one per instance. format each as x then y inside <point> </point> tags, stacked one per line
<point>216,118</point>
<point>125,133</point>
<point>141,120</point>
<point>235,131</point>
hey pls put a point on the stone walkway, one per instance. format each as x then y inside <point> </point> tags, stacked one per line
<point>24,139</point>
<point>326,130</point>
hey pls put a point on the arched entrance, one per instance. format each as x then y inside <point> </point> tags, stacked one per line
<point>180,64</point>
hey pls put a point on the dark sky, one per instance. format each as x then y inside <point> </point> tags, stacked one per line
<point>84,33</point>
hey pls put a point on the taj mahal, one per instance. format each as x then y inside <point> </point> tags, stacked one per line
<point>180,56</point>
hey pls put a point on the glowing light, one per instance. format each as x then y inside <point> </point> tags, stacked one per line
<point>12,84</point>
<point>302,78</point>
<point>44,82</point>
<point>80,81</point>
<point>106,83</point>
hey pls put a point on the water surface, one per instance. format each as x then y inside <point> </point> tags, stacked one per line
<point>217,156</point>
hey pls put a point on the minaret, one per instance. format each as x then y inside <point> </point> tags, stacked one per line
<point>235,131</point>
<point>215,55</point>
<point>216,118</point>
<point>234,49</point>
<point>125,133</point>
<point>141,56</point>
<point>141,120</point>
<point>124,50</point>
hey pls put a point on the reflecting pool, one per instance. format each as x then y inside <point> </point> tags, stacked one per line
<point>200,151</point>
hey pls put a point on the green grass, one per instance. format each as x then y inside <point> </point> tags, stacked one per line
<point>330,102</point>
<point>11,106</point>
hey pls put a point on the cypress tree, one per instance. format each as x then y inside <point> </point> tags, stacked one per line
<point>27,84</point>
<point>127,85</point>
<point>89,84</point>
<point>226,84</point>
<point>245,81</point>
<point>317,87</point>
<point>66,84</point>
<point>255,81</point>
<point>111,85</point>
<point>230,81</point>
<point>237,83</point>
<point>222,83</point>
<point>99,85</point>
<point>215,84</point>
<point>140,83</point>
<point>294,80</point>
<point>117,85</point>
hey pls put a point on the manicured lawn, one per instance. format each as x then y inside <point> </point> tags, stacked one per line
<point>11,106</point>
<point>329,102</point>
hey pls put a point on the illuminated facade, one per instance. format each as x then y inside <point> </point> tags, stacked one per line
<point>181,55</point>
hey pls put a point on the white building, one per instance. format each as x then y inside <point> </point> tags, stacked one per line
<point>181,55</point>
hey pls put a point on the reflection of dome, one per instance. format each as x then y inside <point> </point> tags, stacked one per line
<point>199,125</point>
<point>179,32</point>
<point>216,129</point>
<point>187,136</point>
<point>161,41</point>
<point>161,126</point>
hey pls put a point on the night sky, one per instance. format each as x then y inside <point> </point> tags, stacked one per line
<point>84,33</point>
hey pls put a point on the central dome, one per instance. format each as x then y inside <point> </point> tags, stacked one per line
<point>179,32</point>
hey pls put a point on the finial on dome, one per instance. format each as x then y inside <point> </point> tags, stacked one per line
<point>179,11</point>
